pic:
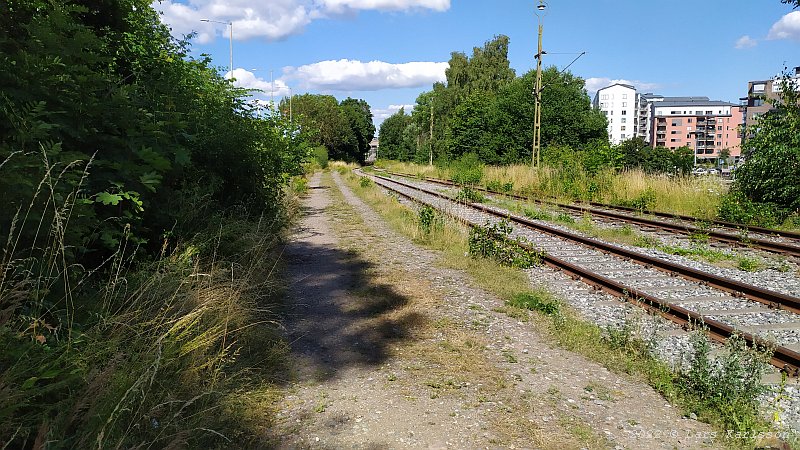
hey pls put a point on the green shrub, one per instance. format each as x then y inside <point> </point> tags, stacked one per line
<point>365,182</point>
<point>469,195</point>
<point>320,155</point>
<point>467,170</point>
<point>736,207</point>
<point>493,241</point>
<point>427,217</point>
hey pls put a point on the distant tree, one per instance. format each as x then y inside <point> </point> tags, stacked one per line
<point>567,116</point>
<point>322,119</point>
<point>683,160</point>
<point>392,135</point>
<point>794,3</point>
<point>632,150</point>
<point>359,117</point>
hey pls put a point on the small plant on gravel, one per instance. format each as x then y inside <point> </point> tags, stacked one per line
<point>365,182</point>
<point>538,300</point>
<point>564,218</point>
<point>726,389</point>
<point>469,195</point>
<point>493,241</point>
<point>700,235</point>
<point>749,264</point>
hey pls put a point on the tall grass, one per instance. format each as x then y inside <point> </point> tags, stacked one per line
<point>697,196</point>
<point>148,354</point>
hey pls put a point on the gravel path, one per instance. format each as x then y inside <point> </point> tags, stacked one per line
<point>392,351</point>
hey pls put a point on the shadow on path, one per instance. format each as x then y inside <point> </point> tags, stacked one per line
<point>337,317</point>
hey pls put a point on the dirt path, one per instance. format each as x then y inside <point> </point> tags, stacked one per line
<point>391,351</point>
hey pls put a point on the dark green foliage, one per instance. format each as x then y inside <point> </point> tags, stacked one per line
<point>736,207</point>
<point>345,129</point>
<point>467,170</point>
<point>114,144</point>
<point>395,142</point>
<point>497,186</point>
<point>728,387</point>
<point>427,218</point>
<point>469,195</point>
<point>365,182</point>
<point>493,241</point>
<point>771,172</point>
<point>644,202</point>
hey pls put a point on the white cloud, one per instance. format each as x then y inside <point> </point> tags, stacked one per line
<point>248,80</point>
<point>788,27</point>
<point>745,42</point>
<point>351,75</point>
<point>270,19</point>
<point>380,114</point>
<point>593,84</point>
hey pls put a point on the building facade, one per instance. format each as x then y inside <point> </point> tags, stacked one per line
<point>620,104</point>
<point>706,126</point>
<point>760,93</point>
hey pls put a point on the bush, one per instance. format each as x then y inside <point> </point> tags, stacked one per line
<point>320,155</point>
<point>737,207</point>
<point>467,170</point>
<point>493,241</point>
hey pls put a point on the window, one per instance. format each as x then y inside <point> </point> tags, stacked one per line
<point>759,87</point>
<point>624,120</point>
<point>719,128</point>
<point>673,140</point>
<point>689,120</point>
<point>624,96</point>
<point>624,104</point>
<point>622,136</point>
<point>673,132</point>
<point>624,112</point>
<point>709,112</point>
<point>622,128</point>
<point>719,135</point>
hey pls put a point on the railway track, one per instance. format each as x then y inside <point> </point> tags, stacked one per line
<point>681,294</point>
<point>765,239</point>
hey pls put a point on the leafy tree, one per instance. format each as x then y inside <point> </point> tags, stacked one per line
<point>794,3</point>
<point>771,172</point>
<point>359,117</point>
<point>326,124</point>
<point>393,138</point>
<point>683,160</point>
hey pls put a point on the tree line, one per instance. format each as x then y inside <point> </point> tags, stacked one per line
<point>483,108</point>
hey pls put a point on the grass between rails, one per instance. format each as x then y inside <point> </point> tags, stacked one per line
<point>447,356</point>
<point>698,390</point>
<point>181,352</point>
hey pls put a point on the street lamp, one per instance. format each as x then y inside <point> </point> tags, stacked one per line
<point>230,24</point>
<point>537,120</point>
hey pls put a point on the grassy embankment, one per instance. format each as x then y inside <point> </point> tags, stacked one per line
<point>724,397</point>
<point>182,351</point>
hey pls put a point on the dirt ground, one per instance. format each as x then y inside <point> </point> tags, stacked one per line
<point>390,350</point>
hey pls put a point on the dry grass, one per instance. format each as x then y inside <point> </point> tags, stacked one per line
<point>698,196</point>
<point>176,352</point>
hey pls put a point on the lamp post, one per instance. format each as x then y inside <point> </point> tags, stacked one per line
<point>537,120</point>
<point>230,24</point>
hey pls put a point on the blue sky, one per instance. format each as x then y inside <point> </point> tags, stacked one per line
<point>388,51</point>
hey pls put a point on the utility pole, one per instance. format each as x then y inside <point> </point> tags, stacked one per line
<point>230,24</point>
<point>430,140</point>
<point>537,94</point>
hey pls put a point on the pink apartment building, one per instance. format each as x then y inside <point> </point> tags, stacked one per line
<point>707,127</point>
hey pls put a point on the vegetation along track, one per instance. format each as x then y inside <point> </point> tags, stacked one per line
<point>681,294</point>
<point>766,239</point>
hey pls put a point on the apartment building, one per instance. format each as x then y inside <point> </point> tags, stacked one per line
<point>706,126</point>
<point>620,104</point>
<point>759,95</point>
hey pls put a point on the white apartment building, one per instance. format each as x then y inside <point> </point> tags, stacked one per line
<point>620,104</point>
